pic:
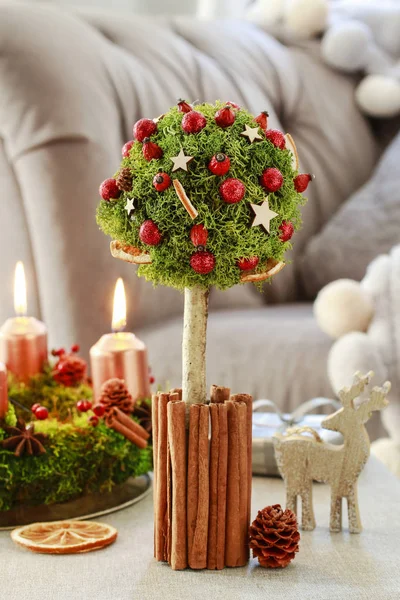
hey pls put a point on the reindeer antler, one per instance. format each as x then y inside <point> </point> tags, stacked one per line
<point>348,394</point>
<point>377,401</point>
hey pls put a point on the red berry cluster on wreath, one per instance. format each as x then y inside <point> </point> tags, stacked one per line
<point>70,370</point>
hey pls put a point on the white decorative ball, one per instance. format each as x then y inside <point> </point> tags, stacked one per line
<point>379,96</point>
<point>306,18</point>
<point>345,46</point>
<point>343,306</point>
<point>388,452</point>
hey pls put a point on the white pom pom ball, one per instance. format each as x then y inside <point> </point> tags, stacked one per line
<point>345,46</point>
<point>379,96</point>
<point>343,306</point>
<point>306,18</point>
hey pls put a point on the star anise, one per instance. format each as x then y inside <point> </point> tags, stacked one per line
<point>142,411</point>
<point>23,440</point>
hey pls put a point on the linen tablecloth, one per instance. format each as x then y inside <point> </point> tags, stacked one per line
<point>328,566</point>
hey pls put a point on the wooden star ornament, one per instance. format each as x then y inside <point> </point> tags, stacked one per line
<point>251,133</point>
<point>181,161</point>
<point>263,215</point>
<point>130,206</point>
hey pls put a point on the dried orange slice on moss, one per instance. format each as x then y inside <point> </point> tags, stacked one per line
<point>64,537</point>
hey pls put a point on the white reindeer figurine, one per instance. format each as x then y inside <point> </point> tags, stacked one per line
<point>302,459</point>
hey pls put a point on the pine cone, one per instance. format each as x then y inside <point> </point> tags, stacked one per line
<point>142,411</point>
<point>274,537</point>
<point>114,393</point>
<point>124,180</point>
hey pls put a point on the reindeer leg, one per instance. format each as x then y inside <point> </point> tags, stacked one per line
<point>307,510</point>
<point>353,511</point>
<point>336,512</point>
<point>291,500</point>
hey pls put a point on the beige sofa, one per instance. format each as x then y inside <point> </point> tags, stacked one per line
<point>71,86</point>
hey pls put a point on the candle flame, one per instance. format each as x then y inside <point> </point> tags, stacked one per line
<point>119,309</point>
<point>20,303</point>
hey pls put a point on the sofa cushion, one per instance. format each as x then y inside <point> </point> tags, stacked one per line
<point>73,83</point>
<point>368,224</point>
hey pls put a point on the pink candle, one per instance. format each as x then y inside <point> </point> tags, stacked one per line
<point>120,354</point>
<point>23,340</point>
<point>3,391</point>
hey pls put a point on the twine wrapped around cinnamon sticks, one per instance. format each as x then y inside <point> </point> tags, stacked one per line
<point>202,480</point>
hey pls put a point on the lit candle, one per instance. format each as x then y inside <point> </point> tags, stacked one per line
<point>120,354</point>
<point>3,391</point>
<point>23,340</point>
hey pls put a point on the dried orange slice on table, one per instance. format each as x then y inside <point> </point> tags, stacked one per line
<point>64,537</point>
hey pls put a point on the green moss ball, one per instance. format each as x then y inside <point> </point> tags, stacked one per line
<point>230,232</point>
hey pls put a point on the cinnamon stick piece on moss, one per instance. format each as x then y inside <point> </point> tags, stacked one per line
<point>177,443</point>
<point>198,486</point>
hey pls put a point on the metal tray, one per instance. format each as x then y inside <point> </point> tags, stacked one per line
<point>85,507</point>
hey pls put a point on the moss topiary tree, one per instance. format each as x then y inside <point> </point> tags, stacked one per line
<point>205,196</point>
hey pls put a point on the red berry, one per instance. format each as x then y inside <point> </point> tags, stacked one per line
<point>93,420</point>
<point>35,407</point>
<point>183,106</point>
<point>88,405</point>
<point>75,348</point>
<point>143,129</point>
<point>151,379</point>
<point>246,264</point>
<point>151,150</point>
<point>108,190</point>
<point>126,148</point>
<point>99,410</point>
<point>202,262</point>
<point>199,235</point>
<point>287,229</point>
<point>193,122</point>
<point>276,137</point>
<point>149,233</point>
<point>224,117</point>
<point>58,352</point>
<point>262,119</point>
<point>41,413</point>
<point>233,104</point>
<point>232,190</point>
<point>81,406</point>
<point>272,179</point>
<point>301,182</point>
<point>161,181</point>
<point>219,164</point>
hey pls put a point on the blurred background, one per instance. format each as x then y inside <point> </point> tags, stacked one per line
<point>75,76</point>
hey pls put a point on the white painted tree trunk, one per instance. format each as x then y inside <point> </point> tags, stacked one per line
<point>194,346</point>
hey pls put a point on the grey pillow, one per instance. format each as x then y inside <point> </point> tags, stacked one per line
<point>366,225</point>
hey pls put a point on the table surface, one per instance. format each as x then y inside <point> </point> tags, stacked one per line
<point>328,566</point>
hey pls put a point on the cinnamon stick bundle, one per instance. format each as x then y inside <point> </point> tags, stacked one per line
<point>236,550</point>
<point>161,516</point>
<point>198,486</point>
<point>218,484</point>
<point>177,443</point>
